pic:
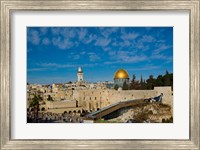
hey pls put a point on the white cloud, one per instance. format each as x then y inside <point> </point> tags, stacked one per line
<point>102,42</point>
<point>125,57</point>
<point>125,43</point>
<point>89,38</point>
<point>144,68</point>
<point>37,69</point>
<point>68,32</point>
<point>55,65</point>
<point>167,59</point>
<point>83,53</point>
<point>141,42</point>
<point>62,44</point>
<point>132,59</point>
<point>46,41</point>
<point>129,36</point>
<point>64,32</point>
<point>43,30</point>
<point>93,57</point>
<point>107,49</point>
<point>159,56</point>
<point>111,53</point>
<point>147,38</point>
<point>76,57</point>
<point>115,43</point>
<point>161,47</point>
<point>82,33</point>
<point>106,32</point>
<point>55,31</point>
<point>33,37</point>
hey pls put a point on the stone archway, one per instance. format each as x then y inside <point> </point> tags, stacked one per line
<point>65,112</point>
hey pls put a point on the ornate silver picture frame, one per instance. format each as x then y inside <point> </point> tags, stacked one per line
<point>8,6</point>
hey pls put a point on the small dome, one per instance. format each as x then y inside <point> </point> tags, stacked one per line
<point>121,74</point>
<point>80,70</point>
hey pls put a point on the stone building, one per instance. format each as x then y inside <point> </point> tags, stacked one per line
<point>80,74</point>
<point>121,76</point>
<point>92,100</point>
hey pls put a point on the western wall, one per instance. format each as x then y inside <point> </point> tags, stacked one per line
<point>92,100</point>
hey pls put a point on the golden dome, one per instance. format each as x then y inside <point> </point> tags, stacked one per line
<point>121,74</point>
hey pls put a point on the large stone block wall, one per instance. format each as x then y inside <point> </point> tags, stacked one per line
<point>61,104</point>
<point>95,99</point>
<point>117,96</point>
<point>167,94</point>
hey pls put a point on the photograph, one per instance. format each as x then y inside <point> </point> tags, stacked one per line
<point>109,74</point>
<point>100,74</point>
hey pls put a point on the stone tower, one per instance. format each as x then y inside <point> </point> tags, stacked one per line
<point>80,74</point>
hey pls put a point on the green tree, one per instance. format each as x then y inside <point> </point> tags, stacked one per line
<point>116,86</point>
<point>134,85</point>
<point>150,82</point>
<point>159,81</point>
<point>171,80</point>
<point>141,80</point>
<point>166,79</point>
<point>142,84</point>
<point>125,86</point>
<point>34,104</point>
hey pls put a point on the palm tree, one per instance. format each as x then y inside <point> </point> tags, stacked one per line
<point>35,103</point>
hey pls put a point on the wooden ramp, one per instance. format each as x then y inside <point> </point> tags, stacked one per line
<point>111,108</point>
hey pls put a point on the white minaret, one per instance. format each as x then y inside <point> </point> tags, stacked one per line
<point>80,74</point>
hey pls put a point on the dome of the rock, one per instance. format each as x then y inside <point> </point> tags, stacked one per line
<point>121,74</point>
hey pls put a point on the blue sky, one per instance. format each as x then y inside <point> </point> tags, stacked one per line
<point>55,53</point>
